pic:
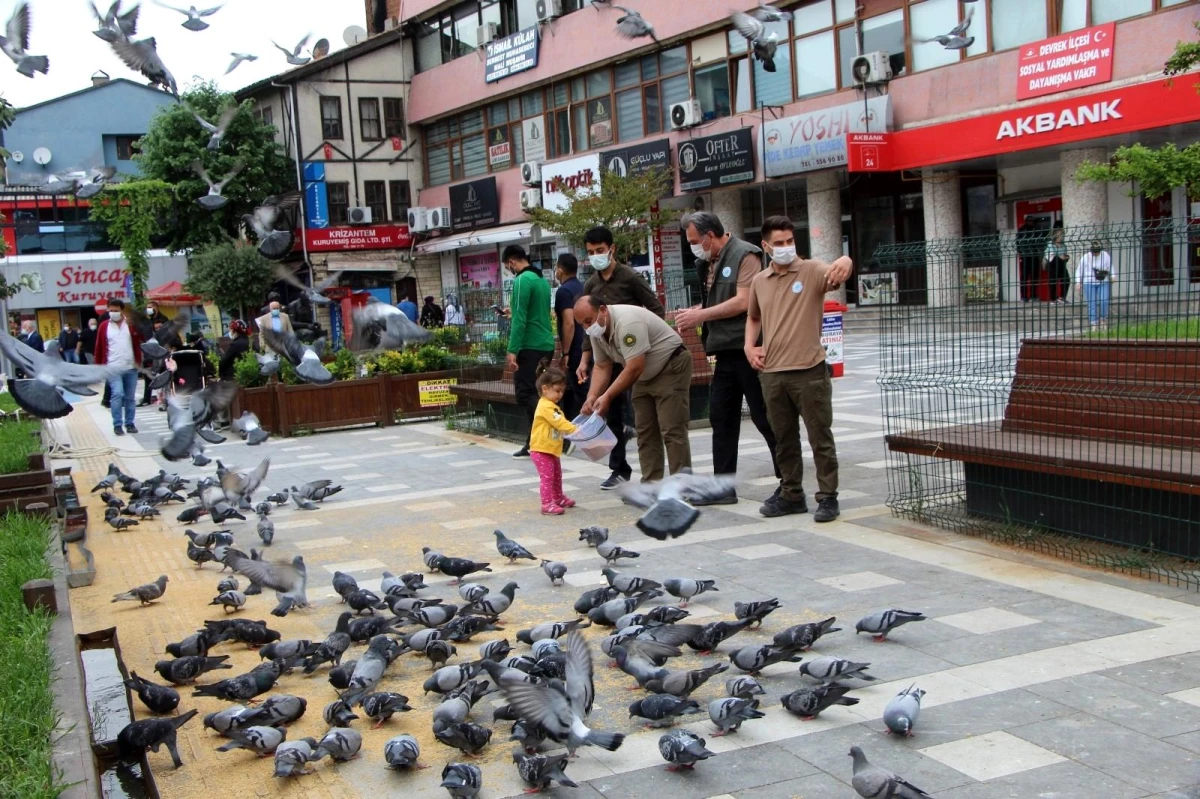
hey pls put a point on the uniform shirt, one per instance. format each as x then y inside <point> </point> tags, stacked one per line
<point>790,306</point>
<point>634,331</point>
<point>549,426</point>
<point>120,345</point>
<point>624,286</point>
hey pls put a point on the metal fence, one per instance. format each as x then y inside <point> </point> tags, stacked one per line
<point>1046,423</point>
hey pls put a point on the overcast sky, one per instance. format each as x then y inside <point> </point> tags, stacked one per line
<point>62,30</point>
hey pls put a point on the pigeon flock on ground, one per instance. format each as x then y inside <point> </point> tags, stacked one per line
<point>544,675</point>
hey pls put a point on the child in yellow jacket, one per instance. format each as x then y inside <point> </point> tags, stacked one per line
<point>546,441</point>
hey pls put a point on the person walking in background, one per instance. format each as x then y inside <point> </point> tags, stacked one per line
<point>549,426</point>
<point>1054,266</point>
<point>570,335</point>
<point>274,319</point>
<point>1093,276</point>
<point>432,314</point>
<point>613,283</point>
<point>409,308</point>
<point>31,336</point>
<point>732,266</point>
<point>530,340</point>
<point>454,314</point>
<point>119,344</point>
<point>68,343</point>
<point>87,342</point>
<point>786,305</point>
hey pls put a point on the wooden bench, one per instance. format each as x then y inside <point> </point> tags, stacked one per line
<point>1099,438</point>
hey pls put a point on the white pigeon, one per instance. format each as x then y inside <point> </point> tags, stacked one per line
<point>238,58</point>
<point>15,43</point>
<point>194,21</point>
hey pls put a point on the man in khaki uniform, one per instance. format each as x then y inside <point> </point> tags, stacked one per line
<point>657,366</point>
<point>786,305</point>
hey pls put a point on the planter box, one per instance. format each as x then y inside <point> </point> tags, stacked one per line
<point>343,403</point>
<point>36,486</point>
<point>259,401</point>
<point>425,394</point>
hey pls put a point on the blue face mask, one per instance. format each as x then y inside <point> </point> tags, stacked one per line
<point>274,312</point>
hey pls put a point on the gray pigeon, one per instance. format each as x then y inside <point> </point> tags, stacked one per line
<point>901,713</point>
<point>274,244</point>
<point>728,713</point>
<point>224,720</point>
<point>768,13</point>
<point>633,25</point>
<point>430,558</point>
<point>753,659</point>
<point>333,647</point>
<point>40,394</point>
<point>266,529</point>
<point>613,553</point>
<point>497,603</point>
<point>214,200</point>
<point>447,678</point>
<point>682,683</point>
<point>287,579</point>
<point>685,588</point>
<point>453,709</point>
<point>195,16</point>
<point>511,549</point>
<point>145,594</point>
<point>338,714</point>
<point>538,771</point>
<point>663,710</point>
<point>807,703</point>
<point>471,592</point>
<point>229,600</point>
<point>293,56</point>
<point>608,613</point>
<point>114,25</point>
<point>555,570</point>
<point>186,669</point>
<point>276,710</point>
<point>142,56</point>
<point>495,650</point>
<point>667,514</point>
<point>15,44</point>
<point>238,58</point>
<point>144,734</point>
<point>755,610</point>
<point>382,705</point>
<point>293,757</point>
<point>462,780</point>
<point>801,637</point>
<point>260,740</point>
<point>550,629</point>
<point>956,38</point>
<point>217,131</point>
<point>873,782</point>
<point>468,738</point>
<point>682,749</point>
<point>744,687</point>
<point>394,329</point>
<point>341,744</point>
<point>762,44</point>
<point>881,623</point>
<point>227,584</point>
<point>831,669</point>
<point>402,751</point>
<point>369,669</point>
<point>344,584</point>
<point>626,584</point>
<point>593,536</point>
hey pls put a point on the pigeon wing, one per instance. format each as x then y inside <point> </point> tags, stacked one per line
<point>24,355</point>
<point>748,26</point>
<point>581,689</point>
<point>703,486</point>
<point>128,21</point>
<point>540,704</point>
<point>641,495</point>
<point>286,344</point>
<point>18,27</point>
<point>281,577</point>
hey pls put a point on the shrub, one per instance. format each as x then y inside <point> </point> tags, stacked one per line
<point>433,357</point>
<point>344,365</point>
<point>246,371</point>
<point>447,336</point>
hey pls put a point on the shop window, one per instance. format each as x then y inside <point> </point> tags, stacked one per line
<point>884,32</point>
<point>401,197</point>
<point>127,147</point>
<point>339,202</point>
<point>368,119</point>
<point>712,90</point>
<point>331,118</point>
<point>929,19</point>
<point>1017,22</point>
<point>393,118</point>
<point>375,197</point>
<point>816,71</point>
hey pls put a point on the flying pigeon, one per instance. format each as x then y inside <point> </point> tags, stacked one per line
<point>315,294</point>
<point>287,579</point>
<point>94,183</point>
<point>142,56</point>
<point>272,244</point>
<point>761,44</point>
<point>901,713</point>
<point>41,394</point>
<point>667,514</point>
<point>302,356</point>
<point>214,201</point>
<point>394,330</point>
<point>144,734</point>
<point>250,428</point>
<point>115,25</point>
<point>293,56</point>
<point>633,25</point>
<point>144,594</point>
<point>238,58</point>
<point>768,13</point>
<point>194,21</point>
<point>873,782</point>
<point>957,38</point>
<point>15,43</point>
<point>217,131</point>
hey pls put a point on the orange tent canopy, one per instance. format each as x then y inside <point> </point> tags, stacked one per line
<point>173,293</point>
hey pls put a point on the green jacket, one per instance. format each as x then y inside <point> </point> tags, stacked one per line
<point>530,306</point>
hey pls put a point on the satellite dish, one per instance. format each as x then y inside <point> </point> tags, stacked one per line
<point>17,156</point>
<point>42,156</point>
<point>321,48</point>
<point>354,34</point>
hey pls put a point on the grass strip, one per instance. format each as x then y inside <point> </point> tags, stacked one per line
<point>17,440</point>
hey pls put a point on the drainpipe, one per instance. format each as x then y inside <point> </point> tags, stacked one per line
<point>299,176</point>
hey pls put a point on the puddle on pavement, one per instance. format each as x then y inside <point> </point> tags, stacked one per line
<point>123,781</point>
<point>106,701</point>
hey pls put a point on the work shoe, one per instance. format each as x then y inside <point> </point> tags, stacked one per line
<point>783,507</point>
<point>131,429</point>
<point>729,498</point>
<point>630,432</point>
<point>523,452</point>
<point>827,510</point>
<point>118,430</point>
<point>613,481</point>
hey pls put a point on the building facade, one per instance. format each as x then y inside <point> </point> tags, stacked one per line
<point>954,140</point>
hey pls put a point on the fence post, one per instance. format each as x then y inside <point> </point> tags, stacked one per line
<point>281,409</point>
<point>385,401</point>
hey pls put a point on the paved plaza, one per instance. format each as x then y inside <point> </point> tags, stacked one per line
<point>1041,679</point>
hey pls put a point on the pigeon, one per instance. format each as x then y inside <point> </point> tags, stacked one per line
<point>194,644</point>
<point>194,21</point>
<point>159,698</point>
<point>93,184</point>
<point>755,610</point>
<point>188,416</point>
<point>511,549</point>
<point>555,570</point>
<point>363,630</point>
<point>882,623</point>
<point>538,771</point>
<point>667,514</point>
<point>394,330</point>
<point>144,594</point>
<point>230,600</point>
<point>713,633</point>
<point>314,294</point>
<point>257,739</point>
<point>435,615</point>
<point>613,553</point>
<point>217,131</point>
<point>561,706</point>
<point>753,659</point>
<point>317,490</point>
<point>768,13</point>
<point>633,25</point>
<point>402,751</point>
<point>341,744</point>
<point>627,584</point>
<point>801,637</point>
<point>462,780</point>
<point>369,670</point>
<point>308,366</point>
<point>199,555</point>
<point>280,498</point>
<point>273,243</point>
<point>595,598</point>
<point>431,559</point>
<point>497,603</point>
<point>728,713</point>
<point>224,720</point>
<point>365,600</point>
<point>460,567</point>
<point>344,585</point>
<point>144,734</point>
<point>468,738</point>
<point>292,757</point>
<point>238,58</point>
<point>495,650</point>
<point>807,703</point>
<point>901,713</point>
<point>40,395</point>
<point>662,710</point>
<point>682,749</point>
<point>251,633</point>
<point>471,592</point>
<point>265,529</point>
<point>380,706</point>
<point>15,44</point>
<point>686,588</point>
<point>608,613</point>
<point>114,25</point>
<point>293,56</point>
<point>594,536</point>
<point>120,522</point>
<point>831,669</point>
<point>957,38</point>
<point>241,688</point>
<point>755,31</point>
<point>109,480</point>
<point>227,584</point>
<point>744,687</point>
<point>873,782</point>
<point>682,683</point>
<point>447,678</point>
<point>453,709</point>
<point>553,629</point>
<point>214,200</point>
<point>275,710</point>
<point>287,579</point>
<point>338,714</point>
<point>142,56</point>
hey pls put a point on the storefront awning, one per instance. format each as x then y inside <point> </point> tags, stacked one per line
<point>496,235</point>
<point>173,293</point>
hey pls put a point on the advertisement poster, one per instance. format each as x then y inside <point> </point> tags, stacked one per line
<point>877,289</point>
<point>982,283</point>
<point>480,271</point>
<point>474,205</point>
<point>436,393</point>
<point>499,147</point>
<point>213,315</point>
<point>533,134</point>
<point>600,121</point>
<point>1070,61</point>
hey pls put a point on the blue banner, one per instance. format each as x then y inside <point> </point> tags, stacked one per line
<point>314,171</point>
<point>316,205</point>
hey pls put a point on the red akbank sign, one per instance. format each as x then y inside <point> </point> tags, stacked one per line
<point>1070,61</point>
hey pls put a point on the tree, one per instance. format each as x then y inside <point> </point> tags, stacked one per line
<point>231,274</point>
<point>134,214</point>
<point>1155,172</point>
<point>175,140</point>
<point>7,115</point>
<point>623,204</point>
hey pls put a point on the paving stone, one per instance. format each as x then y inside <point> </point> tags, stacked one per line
<point>994,754</point>
<point>1164,675</point>
<point>1121,703</point>
<point>1067,780</point>
<point>726,773</point>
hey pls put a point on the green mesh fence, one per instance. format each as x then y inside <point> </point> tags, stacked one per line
<point>1065,424</point>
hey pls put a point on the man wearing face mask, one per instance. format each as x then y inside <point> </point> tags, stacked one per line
<point>786,305</point>
<point>274,319</point>
<point>87,342</point>
<point>732,265</point>
<point>530,340</point>
<point>613,283</point>
<point>658,369</point>
<point>118,343</point>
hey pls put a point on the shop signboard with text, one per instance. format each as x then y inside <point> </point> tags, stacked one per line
<point>581,174</point>
<point>480,271</point>
<point>86,279</point>
<point>1071,61</point>
<point>474,205</point>
<point>638,159</point>
<point>510,55</point>
<point>817,140</point>
<point>533,136</point>
<point>368,237</point>
<point>711,162</point>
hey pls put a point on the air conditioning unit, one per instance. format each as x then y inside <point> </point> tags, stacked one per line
<point>531,173</point>
<point>547,10</point>
<point>418,220</point>
<point>531,198</point>
<point>686,114</point>
<point>487,33</point>
<point>359,216</point>
<point>871,68</point>
<point>439,218</point>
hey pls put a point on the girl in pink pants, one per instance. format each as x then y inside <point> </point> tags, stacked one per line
<point>546,440</point>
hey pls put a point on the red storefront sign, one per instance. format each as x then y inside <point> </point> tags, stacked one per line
<point>81,284</point>
<point>370,237</point>
<point>1142,106</point>
<point>1070,61</point>
<point>869,152</point>
<point>660,277</point>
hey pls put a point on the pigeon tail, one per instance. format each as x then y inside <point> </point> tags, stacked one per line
<point>39,399</point>
<point>605,740</point>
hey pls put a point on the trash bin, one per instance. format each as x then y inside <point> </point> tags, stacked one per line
<point>832,337</point>
<point>593,437</point>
